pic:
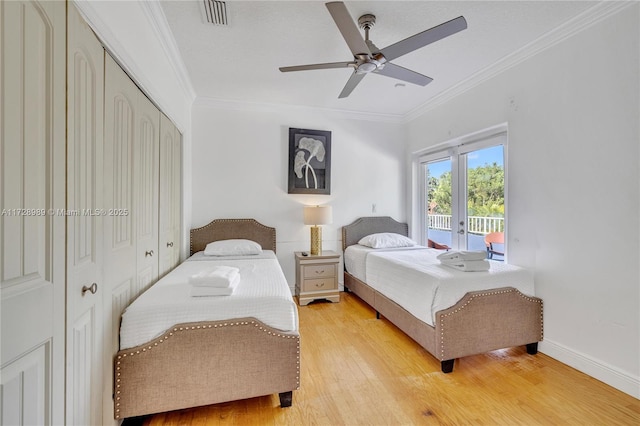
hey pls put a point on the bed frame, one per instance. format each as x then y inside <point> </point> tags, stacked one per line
<point>480,322</point>
<point>206,363</point>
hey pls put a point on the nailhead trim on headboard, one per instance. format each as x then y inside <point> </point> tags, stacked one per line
<point>224,229</point>
<point>484,294</point>
<point>364,226</point>
<point>179,329</point>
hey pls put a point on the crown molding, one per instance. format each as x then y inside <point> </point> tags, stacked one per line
<point>158,20</point>
<point>235,105</point>
<point>581,22</point>
<point>115,49</point>
<point>128,63</point>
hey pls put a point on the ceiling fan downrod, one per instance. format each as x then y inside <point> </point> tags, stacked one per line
<point>373,60</point>
<point>366,22</point>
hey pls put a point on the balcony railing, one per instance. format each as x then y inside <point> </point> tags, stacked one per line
<point>477,224</point>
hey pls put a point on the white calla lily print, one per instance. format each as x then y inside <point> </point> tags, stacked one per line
<point>314,148</point>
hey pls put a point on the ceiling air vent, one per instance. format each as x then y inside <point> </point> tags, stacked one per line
<point>214,12</point>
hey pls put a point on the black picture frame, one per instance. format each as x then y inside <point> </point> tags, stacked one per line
<point>309,161</point>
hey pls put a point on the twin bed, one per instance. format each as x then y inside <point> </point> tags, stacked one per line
<point>179,351</point>
<point>450,313</point>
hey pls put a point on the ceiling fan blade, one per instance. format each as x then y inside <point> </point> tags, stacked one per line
<point>395,71</point>
<point>424,38</point>
<point>348,28</point>
<point>327,65</point>
<point>351,84</point>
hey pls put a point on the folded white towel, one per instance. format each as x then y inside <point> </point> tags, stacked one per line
<point>469,265</point>
<point>462,255</point>
<point>205,291</point>
<point>218,276</point>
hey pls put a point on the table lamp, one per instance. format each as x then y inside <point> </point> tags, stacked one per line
<point>317,215</point>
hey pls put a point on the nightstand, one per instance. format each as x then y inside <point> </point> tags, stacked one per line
<point>317,277</point>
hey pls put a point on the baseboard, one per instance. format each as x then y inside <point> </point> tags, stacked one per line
<point>597,369</point>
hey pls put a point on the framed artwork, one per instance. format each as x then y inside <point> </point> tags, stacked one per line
<point>309,161</point>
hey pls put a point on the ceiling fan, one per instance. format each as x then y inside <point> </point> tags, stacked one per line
<point>368,58</point>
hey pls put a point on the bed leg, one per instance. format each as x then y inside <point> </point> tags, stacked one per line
<point>134,421</point>
<point>286,399</point>
<point>447,365</point>
<point>532,348</point>
<point>377,315</point>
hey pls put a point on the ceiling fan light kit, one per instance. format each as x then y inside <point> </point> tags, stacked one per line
<point>367,58</point>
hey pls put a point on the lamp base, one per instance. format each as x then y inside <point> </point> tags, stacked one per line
<point>316,240</point>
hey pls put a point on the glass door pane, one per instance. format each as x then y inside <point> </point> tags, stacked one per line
<point>439,201</point>
<point>484,207</point>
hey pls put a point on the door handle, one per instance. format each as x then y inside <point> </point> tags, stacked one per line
<point>93,288</point>
<point>170,244</point>
<point>461,232</point>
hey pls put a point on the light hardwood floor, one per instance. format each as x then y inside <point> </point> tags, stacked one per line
<point>357,370</point>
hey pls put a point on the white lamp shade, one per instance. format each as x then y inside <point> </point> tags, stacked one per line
<point>317,215</point>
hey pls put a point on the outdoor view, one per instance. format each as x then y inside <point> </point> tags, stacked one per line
<point>482,193</point>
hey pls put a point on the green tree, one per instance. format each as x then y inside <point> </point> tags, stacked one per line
<point>441,200</point>
<point>485,192</point>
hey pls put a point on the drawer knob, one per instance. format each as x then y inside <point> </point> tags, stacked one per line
<point>320,284</point>
<point>319,272</point>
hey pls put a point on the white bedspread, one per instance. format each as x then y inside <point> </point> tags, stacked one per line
<point>355,258</point>
<point>262,293</point>
<point>417,281</point>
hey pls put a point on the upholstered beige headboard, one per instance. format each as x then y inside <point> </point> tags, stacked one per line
<point>227,229</point>
<point>364,226</point>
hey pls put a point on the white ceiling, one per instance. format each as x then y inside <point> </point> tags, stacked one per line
<point>239,62</point>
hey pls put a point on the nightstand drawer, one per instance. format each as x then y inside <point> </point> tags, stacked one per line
<point>326,270</point>
<point>319,284</point>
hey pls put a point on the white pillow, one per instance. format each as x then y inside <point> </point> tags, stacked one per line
<point>232,248</point>
<point>386,240</point>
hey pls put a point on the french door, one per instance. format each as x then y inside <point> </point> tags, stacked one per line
<point>463,193</point>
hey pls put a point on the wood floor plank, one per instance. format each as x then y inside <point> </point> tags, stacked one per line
<point>356,370</point>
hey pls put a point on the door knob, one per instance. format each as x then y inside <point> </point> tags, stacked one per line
<point>93,288</point>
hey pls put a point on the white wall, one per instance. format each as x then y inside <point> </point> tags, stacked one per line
<point>239,168</point>
<point>573,191</point>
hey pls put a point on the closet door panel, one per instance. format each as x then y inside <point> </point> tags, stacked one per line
<point>32,186</point>
<point>170,184</point>
<point>176,198</point>
<point>85,206</point>
<point>147,173</point>
<point>120,117</point>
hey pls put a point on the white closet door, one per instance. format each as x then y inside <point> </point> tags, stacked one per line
<point>170,184</point>
<point>85,204</point>
<point>177,198</point>
<point>121,285</point>
<point>146,169</point>
<point>32,189</point>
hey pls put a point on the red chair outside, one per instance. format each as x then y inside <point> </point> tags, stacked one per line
<point>491,239</point>
<point>433,244</point>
